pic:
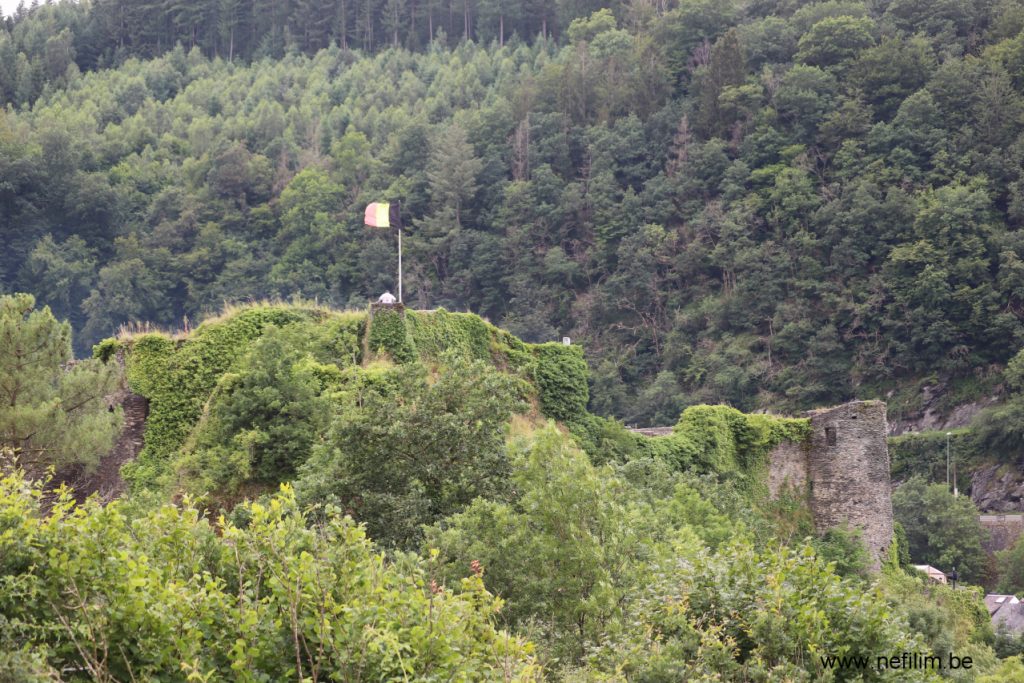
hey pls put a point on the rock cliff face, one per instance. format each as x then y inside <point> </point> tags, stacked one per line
<point>931,416</point>
<point>843,469</point>
<point>998,488</point>
<point>1003,531</point>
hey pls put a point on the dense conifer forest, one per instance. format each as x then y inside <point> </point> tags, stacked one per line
<point>770,204</point>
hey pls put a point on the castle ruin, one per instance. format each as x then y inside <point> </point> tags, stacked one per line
<point>843,471</point>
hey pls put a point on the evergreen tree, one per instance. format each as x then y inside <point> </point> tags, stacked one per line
<point>50,414</point>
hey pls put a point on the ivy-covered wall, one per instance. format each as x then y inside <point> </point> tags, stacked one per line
<point>438,332</point>
<point>388,336</point>
<point>178,376</point>
<point>725,441</point>
<point>561,378</point>
<point>558,372</point>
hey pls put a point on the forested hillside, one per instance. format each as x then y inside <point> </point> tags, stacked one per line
<point>776,204</point>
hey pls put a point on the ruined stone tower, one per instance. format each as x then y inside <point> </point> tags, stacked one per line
<point>843,469</point>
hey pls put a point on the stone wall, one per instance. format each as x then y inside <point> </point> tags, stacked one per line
<point>1003,531</point>
<point>787,469</point>
<point>843,469</point>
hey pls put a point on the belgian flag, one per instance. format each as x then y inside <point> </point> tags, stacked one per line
<point>383,215</point>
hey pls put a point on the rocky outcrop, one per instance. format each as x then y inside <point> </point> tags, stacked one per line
<point>998,488</point>
<point>931,416</point>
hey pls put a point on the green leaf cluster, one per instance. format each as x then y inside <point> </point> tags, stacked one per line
<point>942,530</point>
<point>88,594</point>
<point>52,412</point>
<point>414,447</point>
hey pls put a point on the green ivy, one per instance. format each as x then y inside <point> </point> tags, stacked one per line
<point>722,440</point>
<point>435,333</point>
<point>438,332</point>
<point>561,379</point>
<point>388,335</point>
<point>178,378</point>
<point>179,598</point>
<point>147,363</point>
<point>925,453</point>
<point>106,349</point>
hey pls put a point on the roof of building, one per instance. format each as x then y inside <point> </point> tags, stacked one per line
<point>933,573</point>
<point>1006,612</point>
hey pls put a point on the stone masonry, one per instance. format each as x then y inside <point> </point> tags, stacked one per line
<point>843,469</point>
<point>1003,531</point>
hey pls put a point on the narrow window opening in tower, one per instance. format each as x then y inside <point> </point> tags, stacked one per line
<point>830,436</point>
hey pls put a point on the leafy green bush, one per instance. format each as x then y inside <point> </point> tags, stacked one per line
<point>942,530</point>
<point>339,338</point>
<point>844,549</point>
<point>947,620</point>
<point>1010,564</point>
<point>999,429</point>
<point>406,449</point>
<point>1010,670</point>
<point>743,614</point>
<point>51,415</point>
<point>170,596</point>
<point>262,419</point>
<point>606,440</point>
<point>563,553</point>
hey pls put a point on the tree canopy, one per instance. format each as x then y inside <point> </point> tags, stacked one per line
<point>768,204</point>
<point>51,414</point>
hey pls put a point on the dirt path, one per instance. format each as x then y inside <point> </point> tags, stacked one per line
<point>105,480</point>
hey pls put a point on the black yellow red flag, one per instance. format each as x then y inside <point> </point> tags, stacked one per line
<point>383,215</point>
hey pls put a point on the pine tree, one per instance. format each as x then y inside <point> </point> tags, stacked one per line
<point>50,414</point>
<point>453,170</point>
